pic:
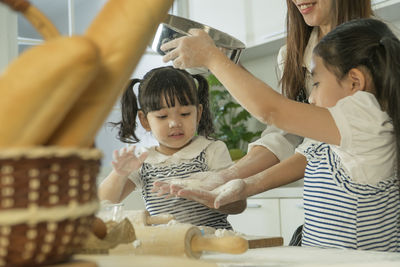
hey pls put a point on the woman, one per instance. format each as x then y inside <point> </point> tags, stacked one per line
<point>307,23</point>
<point>351,185</point>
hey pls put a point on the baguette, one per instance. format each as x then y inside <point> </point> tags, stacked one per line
<point>121,30</point>
<point>40,87</point>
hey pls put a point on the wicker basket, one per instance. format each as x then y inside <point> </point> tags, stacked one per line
<point>48,201</point>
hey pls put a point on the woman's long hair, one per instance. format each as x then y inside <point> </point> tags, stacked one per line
<point>298,34</point>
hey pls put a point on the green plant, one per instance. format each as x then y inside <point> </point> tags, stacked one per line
<point>230,119</point>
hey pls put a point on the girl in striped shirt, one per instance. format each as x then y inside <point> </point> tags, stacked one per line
<point>351,176</point>
<point>174,107</point>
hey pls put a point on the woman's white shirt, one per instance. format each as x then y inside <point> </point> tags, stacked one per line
<point>279,142</point>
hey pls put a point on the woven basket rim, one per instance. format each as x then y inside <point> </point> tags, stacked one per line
<point>50,151</point>
<point>35,215</point>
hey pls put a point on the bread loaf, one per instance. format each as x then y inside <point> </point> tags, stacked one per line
<point>39,88</point>
<point>121,30</point>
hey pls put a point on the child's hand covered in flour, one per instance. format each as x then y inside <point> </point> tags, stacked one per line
<point>126,160</point>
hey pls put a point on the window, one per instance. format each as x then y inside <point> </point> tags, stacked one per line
<point>69,17</point>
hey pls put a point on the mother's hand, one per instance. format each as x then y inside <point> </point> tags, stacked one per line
<point>191,51</point>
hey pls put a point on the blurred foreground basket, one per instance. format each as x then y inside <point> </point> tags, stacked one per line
<point>47,205</point>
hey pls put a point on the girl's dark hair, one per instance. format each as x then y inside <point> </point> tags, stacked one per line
<point>298,34</point>
<point>367,43</point>
<point>168,83</point>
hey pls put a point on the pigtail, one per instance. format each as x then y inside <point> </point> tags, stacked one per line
<point>129,110</point>
<point>206,126</point>
<point>391,86</point>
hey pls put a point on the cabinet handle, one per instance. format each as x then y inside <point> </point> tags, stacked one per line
<point>253,206</point>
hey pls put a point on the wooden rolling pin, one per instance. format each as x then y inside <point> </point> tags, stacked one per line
<point>143,218</point>
<point>180,240</point>
<point>122,31</point>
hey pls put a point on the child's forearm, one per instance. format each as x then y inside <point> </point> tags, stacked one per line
<point>269,106</point>
<point>112,187</point>
<point>287,171</point>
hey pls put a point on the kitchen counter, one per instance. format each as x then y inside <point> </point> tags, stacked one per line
<point>260,257</point>
<point>302,256</point>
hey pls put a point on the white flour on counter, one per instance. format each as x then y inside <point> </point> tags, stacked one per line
<point>137,243</point>
<point>304,256</point>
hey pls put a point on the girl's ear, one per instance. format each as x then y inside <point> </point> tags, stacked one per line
<point>199,112</point>
<point>357,79</point>
<point>144,121</point>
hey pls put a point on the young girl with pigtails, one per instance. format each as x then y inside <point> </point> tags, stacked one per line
<point>173,105</point>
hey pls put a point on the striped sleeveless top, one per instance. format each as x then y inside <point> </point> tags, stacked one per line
<point>340,213</point>
<point>185,211</point>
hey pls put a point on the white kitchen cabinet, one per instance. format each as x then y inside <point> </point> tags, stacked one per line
<point>261,217</point>
<point>268,40</point>
<point>277,212</point>
<point>265,20</point>
<point>251,21</point>
<point>225,15</point>
<point>292,216</point>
